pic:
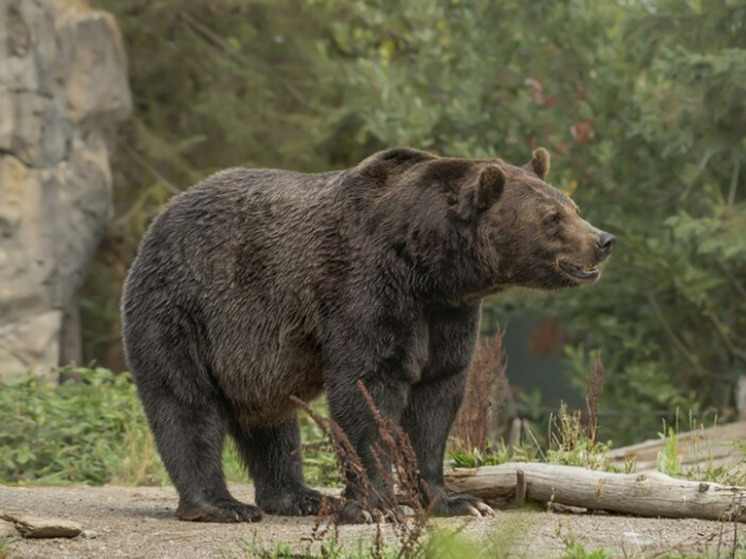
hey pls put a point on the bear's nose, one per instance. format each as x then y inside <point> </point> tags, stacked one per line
<point>605,242</point>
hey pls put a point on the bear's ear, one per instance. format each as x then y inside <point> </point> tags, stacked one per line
<point>490,186</point>
<point>539,163</point>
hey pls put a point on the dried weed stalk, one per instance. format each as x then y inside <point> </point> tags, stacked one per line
<point>594,389</point>
<point>396,463</point>
<point>486,392</point>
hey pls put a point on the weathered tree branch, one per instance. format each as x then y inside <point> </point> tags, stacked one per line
<point>701,448</point>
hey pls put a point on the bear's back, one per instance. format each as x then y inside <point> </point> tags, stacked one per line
<point>256,231</point>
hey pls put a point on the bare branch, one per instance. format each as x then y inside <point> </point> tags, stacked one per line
<point>737,285</point>
<point>734,180</point>
<point>212,38</point>
<point>674,338</point>
<point>722,329</point>
<point>700,168</point>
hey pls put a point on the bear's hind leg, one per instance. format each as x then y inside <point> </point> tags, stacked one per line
<point>189,435</point>
<point>272,455</point>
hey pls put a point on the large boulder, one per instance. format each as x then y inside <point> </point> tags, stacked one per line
<point>63,90</point>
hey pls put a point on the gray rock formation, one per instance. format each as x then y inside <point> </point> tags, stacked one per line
<point>63,89</point>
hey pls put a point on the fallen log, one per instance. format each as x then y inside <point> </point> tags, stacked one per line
<point>701,448</point>
<point>644,494</point>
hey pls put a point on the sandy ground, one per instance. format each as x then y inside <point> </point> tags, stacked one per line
<point>138,522</point>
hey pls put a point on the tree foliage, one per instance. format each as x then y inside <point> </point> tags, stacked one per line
<point>642,103</point>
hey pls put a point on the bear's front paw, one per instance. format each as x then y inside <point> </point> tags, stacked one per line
<point>462,505</point>
<point>298,502</point>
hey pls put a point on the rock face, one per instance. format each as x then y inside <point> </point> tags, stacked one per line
<point>63,89</point>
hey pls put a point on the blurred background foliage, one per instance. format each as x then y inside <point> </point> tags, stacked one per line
<point>641,102</point>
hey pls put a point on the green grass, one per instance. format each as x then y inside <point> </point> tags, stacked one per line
<point>506,540</point>
<point>327,549</point>
<point>579,551</point>
<point>668,458</point>
<point>449,544</point>
<point>5,544</point>
<point>568,444</point>
<point>737,552</point>
<point>669,462</point>
<point>434,544</point>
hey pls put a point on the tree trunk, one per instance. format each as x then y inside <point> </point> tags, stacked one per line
<point>70,346</point>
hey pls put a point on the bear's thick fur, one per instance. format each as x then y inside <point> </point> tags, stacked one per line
<point>256,285</point>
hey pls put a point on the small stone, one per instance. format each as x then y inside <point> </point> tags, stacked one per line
<point>89,534</point>
<point>33,527</point>
<point>8,530</point>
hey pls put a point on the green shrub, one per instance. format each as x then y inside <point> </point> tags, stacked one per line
<point>89,432</point>
<point>95,432</point>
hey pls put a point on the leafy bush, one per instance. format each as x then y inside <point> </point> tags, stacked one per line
<point>90,432</point>
<point>95,432</point>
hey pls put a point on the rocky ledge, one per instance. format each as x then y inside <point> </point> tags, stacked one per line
<point>63,90</point>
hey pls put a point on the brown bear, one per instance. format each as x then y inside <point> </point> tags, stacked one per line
<point>258,285</point>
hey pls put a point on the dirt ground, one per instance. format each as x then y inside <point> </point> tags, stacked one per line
<point>138,522</point>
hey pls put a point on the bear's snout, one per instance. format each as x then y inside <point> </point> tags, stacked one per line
<point>604,243</point>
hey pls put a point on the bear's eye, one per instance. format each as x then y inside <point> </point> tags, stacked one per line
<point>553,220</point>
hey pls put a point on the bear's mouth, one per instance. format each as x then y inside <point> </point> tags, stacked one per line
<point>577,272</point>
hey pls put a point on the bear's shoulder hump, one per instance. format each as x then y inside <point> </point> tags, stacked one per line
<point>382,164</point>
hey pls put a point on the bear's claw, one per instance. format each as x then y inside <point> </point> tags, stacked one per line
<point>463,505</point>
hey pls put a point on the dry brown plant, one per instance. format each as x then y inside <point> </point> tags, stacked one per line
<point>595,387</point>
<point>486,392</point>
<point>396,464</point>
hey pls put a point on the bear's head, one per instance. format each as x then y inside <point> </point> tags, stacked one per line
<point>473,227</point>
<point>531,233</point>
